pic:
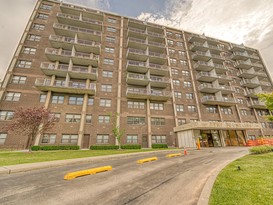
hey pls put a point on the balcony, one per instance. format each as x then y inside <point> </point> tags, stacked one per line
<point>60,86</point>
<point>217,58</point>
<point>199,47</point>
<point>78,58</point>
<point>137,79</point>
<point>265,84</point>
<point>159,82</point>
<point>156,46</point>
<point>206,77</point>
<point>226,89</point>
<point>239,56</point>
<point>136,24</point>
<point>203,56</point>
<point>137,33</point>
<point>243,64</point>
<point>76,10</point>
<point>240,48</point>
<point>137,43</point>
<point>212,100</point>
<point>80,45</point>
<point>208,88</point>
<point>257,104</point>
<point>137,66</point>
<point>250,83</point>
<point>203,66</point>
<point>156,69</point>
<point>83,33</point>
<point>217,48</point>
<point>143,93</point>
<point>158,37</point>
<point>79,21</point>
<point>157,58</point>
<point>197,38</point>
<point>155,29</point>
<point>137,54</point>
<point>220,68</point>
<point>257,65</point>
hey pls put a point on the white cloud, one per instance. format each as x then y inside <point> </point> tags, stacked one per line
<point>239,21</point>
<point>99,4</point>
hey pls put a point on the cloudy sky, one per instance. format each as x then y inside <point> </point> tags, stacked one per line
<point>240,21</point>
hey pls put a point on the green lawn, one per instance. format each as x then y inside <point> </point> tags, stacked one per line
<point>253,184</point>
<point>11,158</point>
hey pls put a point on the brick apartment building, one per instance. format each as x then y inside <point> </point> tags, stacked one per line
<point>168,85</point>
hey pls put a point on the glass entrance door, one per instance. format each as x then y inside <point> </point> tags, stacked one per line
<point>210,138</point>
<point>234,138</point>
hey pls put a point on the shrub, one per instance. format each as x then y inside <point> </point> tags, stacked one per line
<point>131,146</point>
<point>103,147</point>
<point>261,149</point>
<point>159,146</point>
<point>61,147</point>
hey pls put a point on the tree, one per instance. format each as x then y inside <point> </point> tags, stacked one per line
<point>268,100</point>
<point>118,133</point>
<point>32,122</point>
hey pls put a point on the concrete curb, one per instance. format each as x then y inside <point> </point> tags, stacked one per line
<point>206,192</point>
<point>40,165</point>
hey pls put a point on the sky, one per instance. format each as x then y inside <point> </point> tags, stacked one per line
<point>239,21</point>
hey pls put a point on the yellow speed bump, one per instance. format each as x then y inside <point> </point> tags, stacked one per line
<point>141,161</point>
<point>73,175</point>
<point>174,155</point>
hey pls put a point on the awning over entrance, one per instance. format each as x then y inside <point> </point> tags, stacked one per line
<point>218,126</point>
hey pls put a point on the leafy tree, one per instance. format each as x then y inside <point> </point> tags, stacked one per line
<point>31,121</point>
<point>268,100</point>
<point>118,133</point>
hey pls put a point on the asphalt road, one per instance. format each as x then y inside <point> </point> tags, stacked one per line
<point>177,180</point>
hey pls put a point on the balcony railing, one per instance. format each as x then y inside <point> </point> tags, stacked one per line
<point>159,79</point>
<point>143,93</point>
<point>136,30</point>
<point>136,63</point>
<point>137,76</point>
<point>155,54</point>
<point>83,19</point>
<point>218,100</point>
<point>158,67</point>
<point>137,51</point>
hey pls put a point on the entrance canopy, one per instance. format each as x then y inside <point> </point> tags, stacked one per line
<point>218,126</point>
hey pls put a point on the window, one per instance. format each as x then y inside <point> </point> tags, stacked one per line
<point>179,43</point>
<point>157,121</point>
<point>176,82</point>
<point>72,118</point>
<point>135,105</point>
<point>181,53</point>
<point>189,96</point>
<point>49,139</point>
<point>156,106</point>
<point>3,137</point>
<point>211,109</point>
<point>193,120</point>
<point>42,16</point>
<point>28,50</point>
<point>18,79</point>
<point>108,61</point>
<point>104,119</point>
<point>88,119</point>
<point>131,139</point>
<point>46,7</point>
<point>105,103</point>
<point>69,139</point>
<point>187,84</point>
<point>110,39</point>
<point>178,35</point>
<point>169,33</point>
<point>270,125</point>
<point>24,64</point>
<point>109,50</point>
<point>177,94</point>
<point>11,96</point>
<point>106,88</point>
<point>226,111</point>
<point>42,98</point>
<point>135,120</point>
<point>75,100</point>
<point>170,42</point>
<point>158,139</point>
<point>57,116</point>
<point>90,101</point>
<point>107,74</point>
<point>172,60</point>
<point>174,71</point>
<point>262,112</point>
<point>240,100</point>
<point>32,37</point>
<point>6,115</point>
<point>102,139</point>
<point>171,51</point>
<point>181,122</point>
<point>111,29</point>
<point>244,112</point>
<point>191,108</point>
<point>185,73</point>
<point>37,26</point>
<point>182,62</point>
<point>111,20</point>
<point>179,108</point>
<point>57,99</point>
<point>263,124</point>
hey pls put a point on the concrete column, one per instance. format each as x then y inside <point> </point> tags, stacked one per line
<point>149,124</point>
<point>83,116</point>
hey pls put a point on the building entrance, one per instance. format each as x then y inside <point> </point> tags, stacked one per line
<point>210,138</point>
<point>234,138</point>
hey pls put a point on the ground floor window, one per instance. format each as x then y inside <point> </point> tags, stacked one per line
<point>158,139</point>
<point>49,139</point>
<point>131,139</point>
<point>69,139</point>
<point>102,139</point>
<point>3,137</point>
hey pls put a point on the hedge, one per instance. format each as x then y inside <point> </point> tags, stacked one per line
<point>159,146</point>
<point>61,147</point>
<point>103,147</point>
<point>261,149</point>
<point>131,146</point>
